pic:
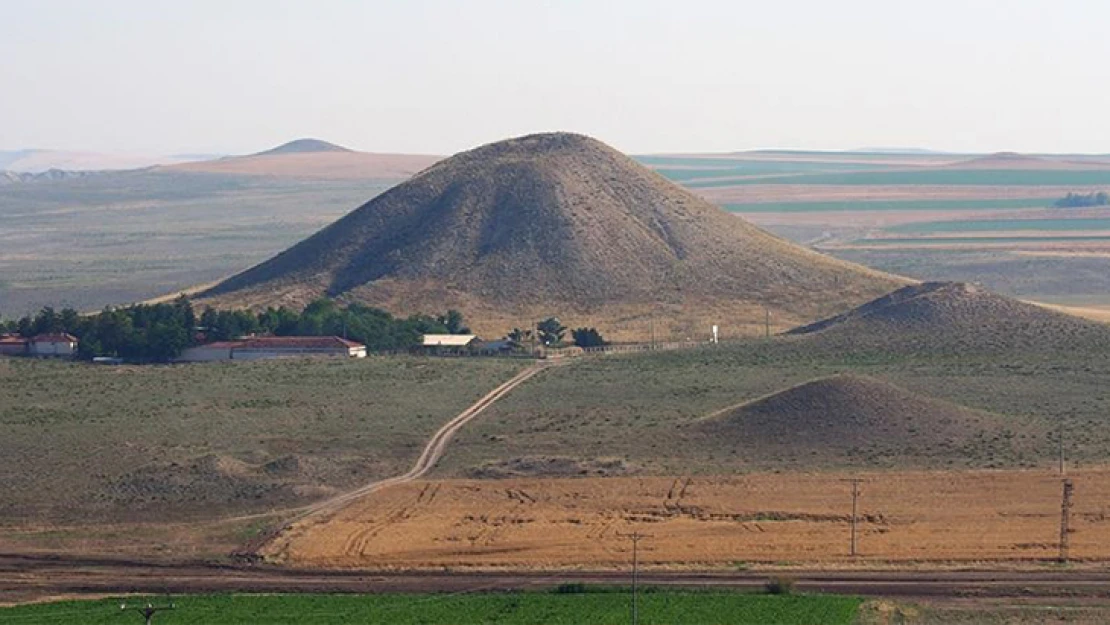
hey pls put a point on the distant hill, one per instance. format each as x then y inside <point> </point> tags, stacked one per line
<point>1013,160</point>
<point>303,146</point>
<point>954,317</point>
<point>853,419</point>
<point>314,159</point>
<point>557,224</point>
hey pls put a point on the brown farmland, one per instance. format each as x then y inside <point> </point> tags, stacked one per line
<point>709,521</point>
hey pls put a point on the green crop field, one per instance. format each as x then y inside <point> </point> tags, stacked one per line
<point>959,177</point>
<point>1003,225</point>
<point>684,172</point>
<point>882,206</point>
<point>531,608</point>
<point>896,241</point>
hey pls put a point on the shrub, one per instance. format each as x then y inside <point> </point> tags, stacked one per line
<point>780,585</point>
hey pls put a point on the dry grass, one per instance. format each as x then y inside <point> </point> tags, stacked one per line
<point>769,518</point>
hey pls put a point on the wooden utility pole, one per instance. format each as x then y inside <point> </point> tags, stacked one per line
<point>855,513</point>
<point>149,610</point>
<point>635,537</point>
<point>767,322</point>
<point>1065,519</point>
<point>1060,436</point>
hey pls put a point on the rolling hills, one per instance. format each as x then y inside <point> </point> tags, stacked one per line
<point>557,224</point>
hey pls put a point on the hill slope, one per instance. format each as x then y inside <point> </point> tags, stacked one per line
<point>955,317</point>
<point>852,419</point>
<point>556,224</point>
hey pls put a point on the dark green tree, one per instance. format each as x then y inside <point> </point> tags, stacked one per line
<point>550,331</point>
<point>587,337</point>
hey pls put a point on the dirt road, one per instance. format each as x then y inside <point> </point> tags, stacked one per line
<point>433,451</point>
<point>26,578</point>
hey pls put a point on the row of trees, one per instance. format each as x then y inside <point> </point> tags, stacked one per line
<point>552,333</point>
<point>160,332</point>
<point>1083,200</point>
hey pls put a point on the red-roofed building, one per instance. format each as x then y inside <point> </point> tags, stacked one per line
<point>265,347</point>
<point>13,345</point>
<point>53,345</point>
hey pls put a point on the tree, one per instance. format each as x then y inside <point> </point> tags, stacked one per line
<point>519,336</point>
<point>587,337</point>
<point>453,321</point>
<point>550,331</point>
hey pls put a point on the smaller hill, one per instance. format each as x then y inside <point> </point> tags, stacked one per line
<point>304,146</point>
<point>954,317</point>
<point>857,420</point>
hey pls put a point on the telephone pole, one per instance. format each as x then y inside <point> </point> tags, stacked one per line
<point>855,513</point>
<point>1060,436</point>
<point>767,322</point>
<point>149,610</point>
<point>1065,518</point>
<point>635,537</point>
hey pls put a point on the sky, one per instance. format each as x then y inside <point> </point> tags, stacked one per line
<point>439,76</point>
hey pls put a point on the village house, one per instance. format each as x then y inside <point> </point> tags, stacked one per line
<point>13,345</point>
<point>59,345</point>
<point>267,347</point>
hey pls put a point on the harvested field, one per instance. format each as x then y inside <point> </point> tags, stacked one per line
<point>714,521</point>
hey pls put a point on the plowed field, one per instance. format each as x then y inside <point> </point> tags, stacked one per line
<point>554,523</point>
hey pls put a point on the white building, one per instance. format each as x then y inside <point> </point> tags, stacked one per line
<point>53,346</point>
<point>447,340</point>
<point>267,347</point>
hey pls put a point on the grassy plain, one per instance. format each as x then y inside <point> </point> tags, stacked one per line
<point>531,608</point>
<point>82,444</point>
<point>712,521</point>
<point>122,237</point>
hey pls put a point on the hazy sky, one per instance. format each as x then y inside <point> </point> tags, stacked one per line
<point>443,75</point>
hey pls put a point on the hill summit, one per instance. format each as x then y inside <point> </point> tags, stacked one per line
<point>853,419</point>
<point>557,224</point>
<point>304,146</point>
<point>955,317</point>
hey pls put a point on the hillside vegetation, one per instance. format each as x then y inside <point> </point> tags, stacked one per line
<point>556,224</point>
<point>956,318</point>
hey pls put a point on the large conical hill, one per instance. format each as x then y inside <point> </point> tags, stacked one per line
<point>557,224</point>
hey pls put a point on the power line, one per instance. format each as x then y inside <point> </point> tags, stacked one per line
<point>635,537</point>
<point>149,610</point>
<point>1065,519</point>
<point>855,513</point>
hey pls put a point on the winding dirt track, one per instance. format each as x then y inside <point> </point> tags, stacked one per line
<point>433,451</point>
